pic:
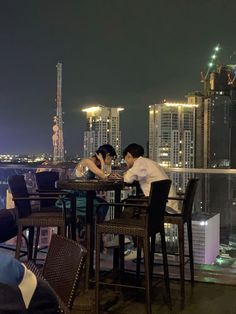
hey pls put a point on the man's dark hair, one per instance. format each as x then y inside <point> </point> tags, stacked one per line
<point>106,149</point>
<point>134,149</point>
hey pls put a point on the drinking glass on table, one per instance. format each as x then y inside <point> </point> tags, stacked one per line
<point>106,170</point>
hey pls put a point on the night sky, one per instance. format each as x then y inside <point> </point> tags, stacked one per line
<point>126,53</point>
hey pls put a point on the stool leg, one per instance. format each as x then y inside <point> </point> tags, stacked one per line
<point>146,254</point>
<point>190,245</point>
<point>18,241</point>
<point>121,253</point>
<point>36,244</point>
<point>138,261</point>
<point>31,242</point>
<point>181,260</point>
<point>165,266</point>
<point>153,244</point>
<point>97,270</point>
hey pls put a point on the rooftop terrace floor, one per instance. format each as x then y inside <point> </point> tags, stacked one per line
<point>204,298</point>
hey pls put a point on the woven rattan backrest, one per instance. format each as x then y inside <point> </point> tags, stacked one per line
<point>157,204</point>
<point>189,198</point>
<point>18,189</point>
<point>46,181</point>
<point>63,267</point>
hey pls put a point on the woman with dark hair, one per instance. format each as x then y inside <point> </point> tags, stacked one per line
<point>98,164</point>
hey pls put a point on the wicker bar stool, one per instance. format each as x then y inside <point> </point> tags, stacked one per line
<point>149,222</point>
<point>180,219</point>
<point>27,218</point>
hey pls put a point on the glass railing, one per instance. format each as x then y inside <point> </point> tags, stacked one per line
<point>214,215</point>
<point>7,170</point>
<point>214,218</point>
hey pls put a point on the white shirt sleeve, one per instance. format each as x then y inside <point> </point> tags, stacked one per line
<point>137,172</point>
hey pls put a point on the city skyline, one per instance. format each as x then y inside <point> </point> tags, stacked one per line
<point>130,54</point>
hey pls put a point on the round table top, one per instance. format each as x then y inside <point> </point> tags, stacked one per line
<point>91,185</point>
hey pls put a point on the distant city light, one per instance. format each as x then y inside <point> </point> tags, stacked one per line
<point>91,109</point>
<point>169,104</point>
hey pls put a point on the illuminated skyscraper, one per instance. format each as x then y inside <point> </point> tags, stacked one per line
<point>219,140</point>
<point>103,126</point>
<point>219,118</point>
<point>172,136</point>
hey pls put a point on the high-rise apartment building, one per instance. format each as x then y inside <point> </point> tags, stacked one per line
<point>172,137</point>
<point>103,126</point>
<point>217,141</point>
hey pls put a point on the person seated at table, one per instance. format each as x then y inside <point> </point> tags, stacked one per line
<point>99,165</point>
<point>21,291</point>
<point>145,171</point>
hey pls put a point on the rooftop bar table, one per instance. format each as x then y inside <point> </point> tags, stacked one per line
<point>90,187</point>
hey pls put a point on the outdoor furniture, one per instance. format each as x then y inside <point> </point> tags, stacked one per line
<point>62,270</point>
<point>46,181</point>
<point>8,228</point>
<point>26,217</point>
<point>149,222</point>
<point>180,219</point>
<point>90,186</point>
<point>46,184</point>
<point>8,225</point>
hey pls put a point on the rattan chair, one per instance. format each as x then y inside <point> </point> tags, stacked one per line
<point>8,229</point>
<point>62,269</point>
<point>149,222</point>
<point>46,181</point>
<point>180,219</point>
<point>26,217</point>
<point>46,187</point>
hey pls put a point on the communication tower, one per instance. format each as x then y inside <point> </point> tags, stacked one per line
<point>57,137</point>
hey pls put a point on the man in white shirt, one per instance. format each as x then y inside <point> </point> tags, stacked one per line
<point>145,171</point>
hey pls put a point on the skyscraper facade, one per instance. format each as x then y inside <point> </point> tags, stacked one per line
<point>103,126</point>
<point>172,137</point>
<point>219,141</point>
<point>219,117</point>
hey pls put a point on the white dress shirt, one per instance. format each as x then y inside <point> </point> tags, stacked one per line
<point>146,171</point>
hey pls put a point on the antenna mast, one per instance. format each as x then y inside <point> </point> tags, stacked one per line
<point>57,137</point>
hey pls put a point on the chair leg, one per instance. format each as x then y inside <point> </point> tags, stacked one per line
<point>31,242</point>
<point>153,244</point>
<point>122,249</point>
<point>18,241</point>
<point>165,266</point>
<point>190,245</point>
<point>36,244</point>
<point>61,230</point>
<point>138,261</point>
<point>146,253</point>
<point>97,271</point>
<point>181,260</point>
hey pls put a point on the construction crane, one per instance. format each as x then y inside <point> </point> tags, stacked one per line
<point>232,73</point>
<point>211,64</point>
